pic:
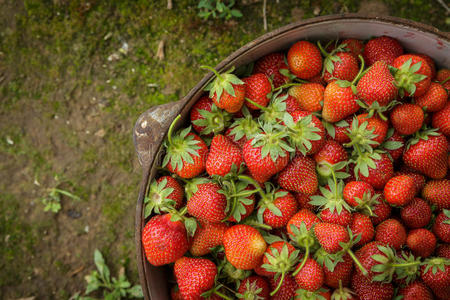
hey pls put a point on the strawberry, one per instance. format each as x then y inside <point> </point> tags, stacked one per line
<point>422,242</point>
<point>399,190</point>
<point>338,271</point>
<point>441,120</point>
<point>361,224</point>
<point>413,75</point>
<point>441,227</point>
<point>379,127</point>
<point>430,63</point>
<point>339,102</point>
<point>381,211</point>
<point>344,294</point>
<point>226,90</point>
<point>407,118</point>
<point>303,201</point>
<point>443,251</point>
<point>305,132</point>
<point>185,153</point>
<point>175,293</point>
<point>241,206</point>
<point>207,118</point>
<point>371,290</point>
<point>273,65</point>
<point>341,66</point>
<point>394,144</point>
<point>434,99</point>
<point>310,277</point>
<point>415,290</point>
<point>292,104</point>
<point>355,192</point>
<point>223,154</point>
<point>437,192</point>
<point>286,290</point>
<point>207,203</point>
<point>365,256</point>
<point>442,76</point>
<point>304,60</point>
<point>391,232</point>
<point>428,154</point>
<point>330,154</point>
<point>355,46</point>
<point>207,236</point>
<point>164,241</point>
<point>435,273</point>
<point>343,218</point>
<point>339,130</point>
<point>309,96</point>
<point>299,176</point>
<point>377,85</point>
<point>244,246</point>
<point>378,177</point>
<point>164,192</point>
<point>320,294</point>
<point>258,89</point>
<point>419,179</point>
<point>382,48</point>
<point>330,236</point>
<point>254,287</point>
<point>266,153</point>
<point>303,216</point>
<point>194,276</point>
<point>416,214</point>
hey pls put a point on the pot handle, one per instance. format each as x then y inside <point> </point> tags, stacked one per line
<point>151,127</point>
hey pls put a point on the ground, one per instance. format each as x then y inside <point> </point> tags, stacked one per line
<point>74,76</point>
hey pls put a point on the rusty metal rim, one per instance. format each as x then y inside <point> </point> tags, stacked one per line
<point>143,266</point>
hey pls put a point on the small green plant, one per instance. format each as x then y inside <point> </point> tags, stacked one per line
<point>52,201</point>
<point>113,289</point>
<point>218,9</point>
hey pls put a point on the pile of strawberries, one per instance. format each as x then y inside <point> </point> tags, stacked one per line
<point>317,174</point>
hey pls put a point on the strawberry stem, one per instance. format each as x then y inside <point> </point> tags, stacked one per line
<point>352,255</point>
<point>169,134</point>
<point>324,53</point>
<point>279,285</point>
<point>361,69</point>
<point>414,263</point>
<point>256,104</point>
<point>445,80</point>
<point>223,296</point>
<point>303,261</point>
<point>212,70</point>
<point>287,85</point>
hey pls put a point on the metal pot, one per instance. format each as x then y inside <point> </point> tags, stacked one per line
<point>152,126</point>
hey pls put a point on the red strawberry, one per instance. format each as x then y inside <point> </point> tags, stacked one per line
<point>194,276</point>
<point>407,118</point>
<point>399,190</point>
<point>299,176</point>
<point>306,132</point>
<point>441,227</point>
<point>280,258</point>
<point>254,287</point>
<point>304,60</point>
<point>415,290</point>
<point>421,242</point>
<point>226,90</point>
<point>434,99</point>
<point>292,104</point>
<point>320,294</point>
<point>207,203</point>
<point>244,205</point>
<point>371,290</point>
<point>309,96</point>
<point>330,154</point>
<point>382,48</point>
<point>413,76</point>
<point>342,272</point>
<point>271,65</point>
<point>361,224</point>
<point>391,232</point>
<point>265,154</point>
<point>303,216</point>
<point>416,214</point>
<point>244,246</point>
<point>377,85</point>
<point>303,201</point>
<point>185,153</point>
<point>310,277</point>
<point>164,192</point>
<point>443,251</point>
<point>379,176</point>
<point>354,192</point>
<point>330,235</point>
<point>276,208</point>
<point>437,192</point>
<point>207,118</point>
<point>430,63</point>
<point>355,46</point>
<point>340,65</point>
<point>419,179</point>
<point>258,89</point>
<point>164,241</point>
<point>365,257</point>
<point>207,236</point>
<point>442,76</point>
<point>223,154</point>
<point>379,126</point>
<point>441,120</point>
<point>435,273</point>
<point>175,293</point>
<point>343,218</point>
<point>339,130</point>
<point>339,102</point>
<point>382,211</point>
<point>394,144</point>
<point>428,155</point>
<point>287,289</point>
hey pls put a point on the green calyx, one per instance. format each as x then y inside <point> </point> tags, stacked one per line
<point>406,77</point>
<point>157,200</point>
<point>366,203</point>
<point>361,138</point>
<point>342,293</point>
<point>327,170</point>
<point>435,264</point>
<point>363,161</point>
<point>189,223</point>
<point>404,267</point>
<point>245,127</point>
<point>180,148</point>
<point>280,263</point>
<point>214,121</point>
<point>267,200</point>
<point>275,110</point>
<point>346,249</point>
<point>301,132</point>
<point>329,127</point>
<point>331,198</point>
<point>376,108</point>
<point>302,294</point>
<point>252,292</point>
<point>391,145</point>
<point>447,215</point>
<point>331,58</point>
<point>303,238</point>
<point>191,186</point>
<point>222,82</point>
<point>271,141</point>
<point>328,260</point>
<point>422,135</point>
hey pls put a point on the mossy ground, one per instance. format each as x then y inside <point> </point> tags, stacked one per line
<point>66,112</point>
